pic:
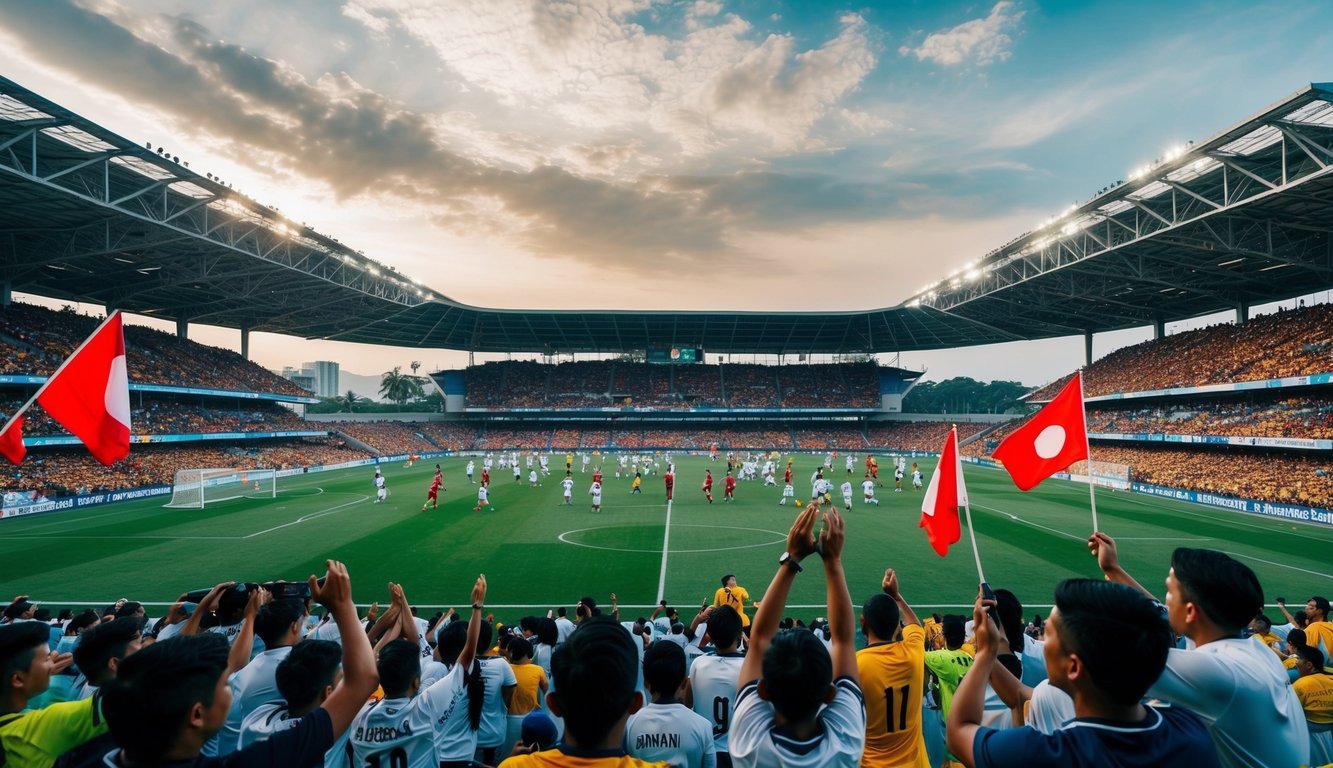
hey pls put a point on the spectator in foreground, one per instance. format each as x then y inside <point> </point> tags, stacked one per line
<point>171,697</point>
<point>788,677</point>
<point>595,692</point>
<point>666,730</point>
<point>1236,685</point>
<point>38,737</point>
<point>897,667</point>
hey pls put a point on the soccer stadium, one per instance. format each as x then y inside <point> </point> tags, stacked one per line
<point>674,433</point>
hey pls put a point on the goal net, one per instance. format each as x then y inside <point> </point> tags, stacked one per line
<point>1105,474</point>
<point>195,488</point>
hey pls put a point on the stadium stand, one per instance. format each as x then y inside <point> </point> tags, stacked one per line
<point>1309,417</point>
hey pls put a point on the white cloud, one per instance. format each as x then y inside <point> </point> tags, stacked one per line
<point>979,41</point>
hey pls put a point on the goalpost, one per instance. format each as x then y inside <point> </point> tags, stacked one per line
<point>195,488</point>
<point>1105,474</point>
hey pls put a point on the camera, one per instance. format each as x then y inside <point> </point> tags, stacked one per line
<point>280,590</point>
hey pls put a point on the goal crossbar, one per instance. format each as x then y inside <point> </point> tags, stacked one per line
<point>196,488</point>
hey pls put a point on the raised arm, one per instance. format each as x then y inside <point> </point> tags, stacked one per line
<point>406,621</point>
<point>206,605</point>
<point>800,544</point>
<point>970,699</point>
<point>890,587</point>
<point>245,641</point>
<point>1103,548</point>
<point>841,620</point>
<point>359,674</point>
<point>469,652</point>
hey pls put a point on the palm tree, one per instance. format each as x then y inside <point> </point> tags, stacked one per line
<point>400,387</point>
<point>350,400</point>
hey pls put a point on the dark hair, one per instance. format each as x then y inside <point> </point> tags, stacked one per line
<point>1321,603</point>
<point>595,673</point>
<point>1296,637</point>
<point>275,618</point>
<point>528,624</point>
<point>547,632</point>
<point>105,642</point>
<point>306,671</point>
<point>231,604</point>
<point>84,620</point>
<point>727,578</point>
<point>519,648</point>
<point>129,608</point>
<point>42,614</point>
<point>1225,589</point>
<point>560,611</point>
<point>955,630</point>
<point>484,637</point>
<point>18,644</point>
<point>880,614</point>
<point>797,672</point>
<point>146,703</point>
<point>664,667</point>
<point>724,626</point>
<point>399,664</point>
<point>452,640</point>
<point>1009,611</point>
<point>1311,654</point>
<point>1264,620</point>
<point>1119,635</point>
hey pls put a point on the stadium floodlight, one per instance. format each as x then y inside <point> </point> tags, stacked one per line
<point>196,488</point>
<point>1069,228</point>
<point>972,275</point>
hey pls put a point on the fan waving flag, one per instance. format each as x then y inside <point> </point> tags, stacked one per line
<point>11,441</point>
<point>90,395</point>
<point>1051,440</point>
<point>946,492</point>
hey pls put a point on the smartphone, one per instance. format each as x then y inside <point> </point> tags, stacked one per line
<point>988,594</point>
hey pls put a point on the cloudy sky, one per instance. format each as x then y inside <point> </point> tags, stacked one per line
<point>668,154</point>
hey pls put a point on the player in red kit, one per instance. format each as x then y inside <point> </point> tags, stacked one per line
<point>729,488</point>
<point>433,495</point>
<point>597,474</point>
<point>486,477</point>
<point>708,485</point>
<point>786,476</point>
<point>670,479</point>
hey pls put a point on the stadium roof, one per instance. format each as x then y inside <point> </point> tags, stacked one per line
<point>86,215</point>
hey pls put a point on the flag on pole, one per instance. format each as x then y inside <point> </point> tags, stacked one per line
<point>11,441</point>
<point>90,394</point>
<point>1054,438</point>
<point>946,492</point>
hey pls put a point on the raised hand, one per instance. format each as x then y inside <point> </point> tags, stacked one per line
<point>337,587</point>
<point>478,590</point>
<point>833,536</point>
<point>890,583</point>
<point>800,539</point>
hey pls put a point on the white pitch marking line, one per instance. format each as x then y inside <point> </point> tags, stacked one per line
<point>1018,519</point>
<point>304,518</point>
<point>666,541</point>
<point>1282,565</point>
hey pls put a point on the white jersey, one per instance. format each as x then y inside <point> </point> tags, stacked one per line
<point>481,494</point>
<point>670,733</point>
<point>266,720</point>
<point>847,492</point>
<point>1240,690</point>
<point>518,472</point>
<point>471,467</point>
<point>382,493</point>
<point>532,477</point>
<point>497,674</point>
<point>851,463</point>
<point>379,481</point>
<point>713,678</point>
<point>916,478</point>
<point>596,492</point>
<point>568,485</point>
<point>564,628</point>
<point>401,732</point>
<point>868,489</point>
<point>789,491</point>
<point>256,683</point>
<point>755,740</point>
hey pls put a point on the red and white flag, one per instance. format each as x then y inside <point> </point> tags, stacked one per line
<point>11,440</point>
<point>90,394</point>
<point>946,492</point>
<point>1054,438</point>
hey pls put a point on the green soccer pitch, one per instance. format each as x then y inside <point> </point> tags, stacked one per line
<point>538,554</point>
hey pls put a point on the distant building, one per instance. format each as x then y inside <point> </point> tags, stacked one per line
<point>325,374</point>
<point>301,378</point>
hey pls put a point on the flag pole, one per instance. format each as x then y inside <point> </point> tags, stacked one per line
<point>1087,447</point>
<point>52,377</point>
<point>967,505</point>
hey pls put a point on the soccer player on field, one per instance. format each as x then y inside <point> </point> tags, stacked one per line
<point>916,477</point>
<point>433,495</point>
<point>483,499</point>
<point>851,463</point>
<point>532,478</point>
<point>788,491</point>
<point>786,476</point>
<point>380,491</point>
<point>707,487</point>
<point>670,479</point>
<point>868,491</point>
<point>596,493</point>
<point>518,473</point>
<point>638,481</point>
<point>568,485</point>
<point>729,488</point>
<point>485,475</point>
<point>898,479</point>
<point>847,495</point>
<point>471,467</point>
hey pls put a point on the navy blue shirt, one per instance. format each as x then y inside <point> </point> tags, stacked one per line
<point>1167,736</point>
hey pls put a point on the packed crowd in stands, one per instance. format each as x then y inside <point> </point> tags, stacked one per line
<point>1301,417</point>
<point>35,341</point>
<point>386,437</point>
<point>617,384</point>
<point>65,472</point>
<point>245,675</point>
<point>168,417</point>
<point>1286,477</point>
<point>1287,343</point>
<point>921,436</point>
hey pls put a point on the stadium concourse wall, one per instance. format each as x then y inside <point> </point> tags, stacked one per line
<point>86,500</point>
<point>1250,506</point>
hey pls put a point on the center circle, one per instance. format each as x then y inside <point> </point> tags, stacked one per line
<point>1050,442</point>
<point>568,537</point>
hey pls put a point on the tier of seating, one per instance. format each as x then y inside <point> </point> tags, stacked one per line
<point>606,384</point>
<point>1300,417</point>
<point>170,417</point>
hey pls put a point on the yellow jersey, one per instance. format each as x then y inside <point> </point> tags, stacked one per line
<point>1316,696</point>
<point>735,597</point>
<point>893,680</point>
<point>528,692</point>
<point>571,757</point>
<point>35,739</point>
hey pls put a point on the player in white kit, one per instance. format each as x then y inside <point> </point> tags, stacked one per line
<point>846,489</point>
<point>868,491</point>
<point>568,485</point>
<point>596,493</point>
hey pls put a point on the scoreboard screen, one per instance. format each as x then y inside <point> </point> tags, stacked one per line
<point>669,354</point>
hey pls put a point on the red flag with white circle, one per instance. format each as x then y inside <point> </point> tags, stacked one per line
<point>1051,440</point>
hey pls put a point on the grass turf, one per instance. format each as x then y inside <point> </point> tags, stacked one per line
<point>537,553</point>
